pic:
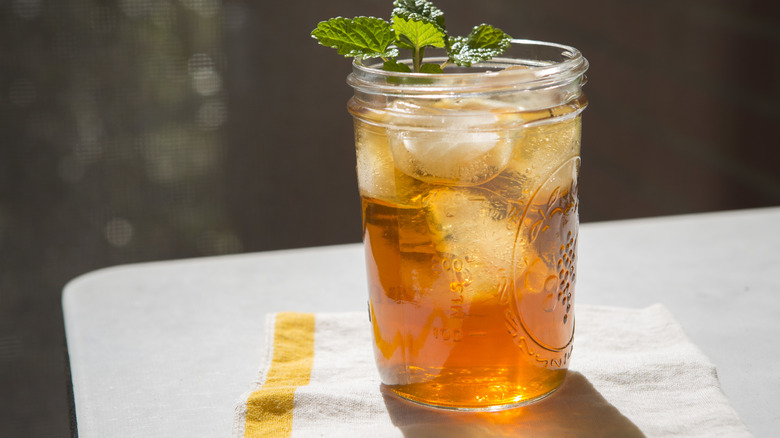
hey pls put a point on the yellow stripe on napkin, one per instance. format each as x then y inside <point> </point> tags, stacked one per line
<point>269,410</point>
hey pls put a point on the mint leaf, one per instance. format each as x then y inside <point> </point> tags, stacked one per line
<point>483,43</point>
<point>419,10</point>
<point>361,37</point>
<point>393,65</point>
<point>431,68</point>
<point>417,34</point>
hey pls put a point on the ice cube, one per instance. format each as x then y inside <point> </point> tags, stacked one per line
<point>548,145</point>
<point>378,177</point>
<point>375,168</point>
<point>446,142</point>
<point>539,151</point>
<point>471,226</point>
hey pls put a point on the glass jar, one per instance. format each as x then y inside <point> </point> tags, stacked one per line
<point>468,182</point>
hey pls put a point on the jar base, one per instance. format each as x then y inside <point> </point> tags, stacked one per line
<point>471,407</point>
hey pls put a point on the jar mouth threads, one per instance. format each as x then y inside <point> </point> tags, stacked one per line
<point>526,65</point>
<point>533,75</point>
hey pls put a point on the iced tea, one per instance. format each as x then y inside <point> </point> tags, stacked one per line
<point>470,228</point>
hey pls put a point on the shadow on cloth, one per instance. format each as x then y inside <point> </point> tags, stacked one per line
<point>576,409</point>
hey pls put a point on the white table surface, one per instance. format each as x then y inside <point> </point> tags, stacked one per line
<point>165,349</point>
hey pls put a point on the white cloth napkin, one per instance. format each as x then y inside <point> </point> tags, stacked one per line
<point>633,373</point>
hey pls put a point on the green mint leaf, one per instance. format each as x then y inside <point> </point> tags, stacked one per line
<point>419,10</point>
<point>417,34</point>
<point>361,37</point>
<point>393,65</point>
<point>431,68</point>
<point>483,43</point>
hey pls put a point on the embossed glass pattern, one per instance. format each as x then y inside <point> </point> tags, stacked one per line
<point>469,188</point>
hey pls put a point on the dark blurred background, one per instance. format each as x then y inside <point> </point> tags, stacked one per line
<point>137,130</point>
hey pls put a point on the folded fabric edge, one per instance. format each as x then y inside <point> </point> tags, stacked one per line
<point>239,414</point>
<point>268,408</point>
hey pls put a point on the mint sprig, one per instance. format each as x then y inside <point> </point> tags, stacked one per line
<point>415,25</point>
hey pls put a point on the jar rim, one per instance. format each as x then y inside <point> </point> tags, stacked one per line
<point>539,65</point>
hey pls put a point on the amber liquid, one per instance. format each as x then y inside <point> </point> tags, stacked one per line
<point>471,271</point>
<point>440,342</point>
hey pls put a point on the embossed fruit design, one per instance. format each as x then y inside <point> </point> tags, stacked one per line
<point>545,264</point>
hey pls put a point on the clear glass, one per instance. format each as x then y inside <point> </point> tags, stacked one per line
<point>468,182</point>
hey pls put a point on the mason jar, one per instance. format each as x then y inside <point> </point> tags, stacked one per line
<point>468,181</point>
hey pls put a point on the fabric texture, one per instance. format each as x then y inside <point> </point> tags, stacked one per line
<point>634,373</point>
